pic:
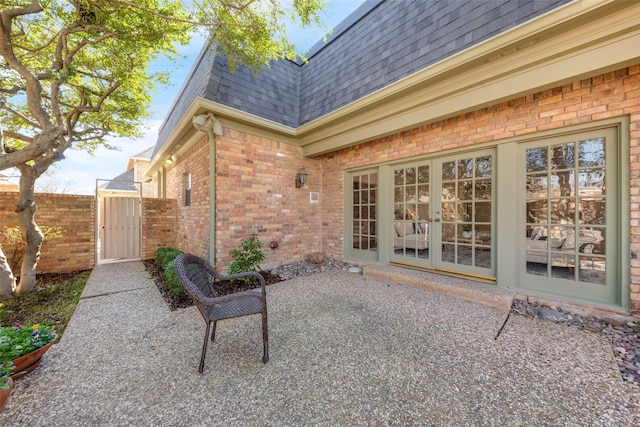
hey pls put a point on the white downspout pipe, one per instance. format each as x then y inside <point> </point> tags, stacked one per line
<point>215,128</point>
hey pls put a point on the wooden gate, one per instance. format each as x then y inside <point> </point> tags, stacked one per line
<point>120,228</point>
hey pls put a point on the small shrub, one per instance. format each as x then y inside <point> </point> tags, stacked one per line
<point>165,258</point>
<point>247,257</point>
<point>171,279</point>
<point>166,255</point>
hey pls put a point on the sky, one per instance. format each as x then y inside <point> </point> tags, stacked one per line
<point>77,173</point>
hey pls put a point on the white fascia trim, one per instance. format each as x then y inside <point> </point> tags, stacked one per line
<point>232,118</point>
<point>180,131</point>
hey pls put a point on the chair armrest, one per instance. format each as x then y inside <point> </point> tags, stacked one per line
<point>208,301</point>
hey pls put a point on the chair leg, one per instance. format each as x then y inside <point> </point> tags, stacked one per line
<point>213,332</point>
<point>265,337</point>
<point>204,348</point>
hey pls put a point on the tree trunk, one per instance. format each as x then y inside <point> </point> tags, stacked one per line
<point>31,234</point>
<point>7,280</point>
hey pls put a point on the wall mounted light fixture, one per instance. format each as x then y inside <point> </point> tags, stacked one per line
<point>301,178</point>
<point>170,160</point>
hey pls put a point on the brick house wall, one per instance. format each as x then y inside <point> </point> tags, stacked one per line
<point>192,227</point>
<point>255,192</point>
<point>159,224</point>
<point>604,96</point>
<point>150,188</point>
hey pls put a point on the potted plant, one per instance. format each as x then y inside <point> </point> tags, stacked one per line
<point>24,346</point>
<point>6,383</point>
<point>466,231</point>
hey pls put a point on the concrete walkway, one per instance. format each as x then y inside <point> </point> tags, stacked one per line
<point>346,350</point>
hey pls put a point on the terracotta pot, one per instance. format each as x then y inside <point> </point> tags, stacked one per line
<point>30,361</point>
<point>4,395</point>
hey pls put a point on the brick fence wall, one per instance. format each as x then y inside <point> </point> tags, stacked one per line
<point>75,250</point>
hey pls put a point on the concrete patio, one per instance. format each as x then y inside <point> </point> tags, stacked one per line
<point>346,349</point>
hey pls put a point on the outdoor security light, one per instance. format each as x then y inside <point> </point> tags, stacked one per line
<point>301,178</point>
<point>200,120</point>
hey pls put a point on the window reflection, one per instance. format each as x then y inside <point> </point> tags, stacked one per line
<point>591,182</point>
<point>364,232</point>
<point>563,211</point>
<point>592,211</point>
<point>537,185</point>
<point>562,183</point>
<point>449,170</point>
<point>466,211</point>
<point>536,159</point>
<point>537,211</point>
<point>465,168</point>
<point>411,212</point>
<point>566,211</point>
<point>591,152</point>
<point>483,167</point>
<point>562,156</point>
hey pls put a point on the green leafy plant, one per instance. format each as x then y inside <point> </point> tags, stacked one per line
<point>466,227</point>
<point>53,304</point>
<point>16,341</point>
<point>247,257</point>
<point>166,255</point>
<point>5,374</point>
<point>165,258</point>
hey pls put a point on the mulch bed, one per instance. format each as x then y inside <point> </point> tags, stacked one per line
<point>177,300</point>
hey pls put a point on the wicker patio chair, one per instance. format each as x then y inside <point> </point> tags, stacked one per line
<point>198,277</point>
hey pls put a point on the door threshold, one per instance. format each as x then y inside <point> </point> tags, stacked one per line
<point>463,287</point>
<point>116,260</point>
<point>453,273</point>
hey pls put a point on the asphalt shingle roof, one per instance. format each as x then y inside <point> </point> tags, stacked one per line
<point>145,154</point>
<point>381,43</point>
<point>122,182</point>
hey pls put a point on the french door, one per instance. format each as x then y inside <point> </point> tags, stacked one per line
<point>362,208</point>
<point>443,212</point>
<point>568,216</point>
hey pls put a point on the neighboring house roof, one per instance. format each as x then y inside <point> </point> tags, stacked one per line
<point>378,44</point>
<point>144,155</point>
<point>122,182</point>
<point>126,180</point>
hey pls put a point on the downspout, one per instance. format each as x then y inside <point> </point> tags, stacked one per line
<point>214,128</point>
